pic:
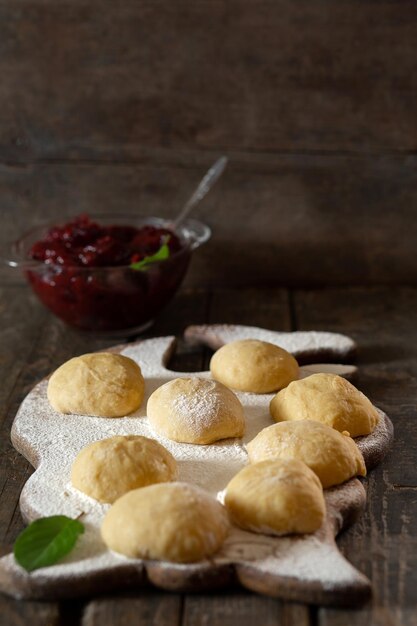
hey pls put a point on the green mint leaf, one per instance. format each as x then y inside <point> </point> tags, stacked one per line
<point>160,255</point>
<point>46,540</point>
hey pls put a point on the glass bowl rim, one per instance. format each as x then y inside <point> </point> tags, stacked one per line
<point>201,231</point>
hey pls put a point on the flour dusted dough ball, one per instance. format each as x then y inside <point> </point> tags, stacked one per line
<point>255,366</point>
<point>195,410</point>
<point>107,469</point>
<point>329,399</point>
<point>171,521</point>
<point>276,498</point>
<point>101,384</point>
<point>333,456</point>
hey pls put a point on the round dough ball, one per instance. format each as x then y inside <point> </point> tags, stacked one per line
<point>107,469</point>
<point>195,410</point>
<point>102,384</point>
<point>276,498</point>
<point>329,399</point>
<point>252,365</point>
<point>333,456</point>
<point>171,521</point>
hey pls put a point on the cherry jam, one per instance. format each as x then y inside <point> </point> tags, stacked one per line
<point>87,280</point>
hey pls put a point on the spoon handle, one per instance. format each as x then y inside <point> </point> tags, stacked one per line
<point>204,187</point>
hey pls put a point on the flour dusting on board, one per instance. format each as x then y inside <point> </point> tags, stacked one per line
<point>298,343</point>
<point>51,441</point>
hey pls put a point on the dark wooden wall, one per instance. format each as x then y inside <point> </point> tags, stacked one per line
<point>121,106</point>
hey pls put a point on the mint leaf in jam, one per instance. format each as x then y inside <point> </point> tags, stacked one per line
<point>160,255</point>
<point>46,540</point>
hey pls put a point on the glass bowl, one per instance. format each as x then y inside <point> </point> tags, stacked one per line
<point>116,300</point>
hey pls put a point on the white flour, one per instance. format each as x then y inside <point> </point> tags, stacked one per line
<point>199,409</point>
<point>296,342</point>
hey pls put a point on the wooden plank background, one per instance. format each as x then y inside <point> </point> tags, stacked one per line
<point>88,79</point>
<point>122,106</point>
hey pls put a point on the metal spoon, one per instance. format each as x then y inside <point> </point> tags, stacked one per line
<point>203,188</point>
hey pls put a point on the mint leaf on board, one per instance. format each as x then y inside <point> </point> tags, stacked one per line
<point>46,540</point>
<point>160,255</point>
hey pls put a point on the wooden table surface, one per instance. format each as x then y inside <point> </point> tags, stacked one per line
<point>382,544</point>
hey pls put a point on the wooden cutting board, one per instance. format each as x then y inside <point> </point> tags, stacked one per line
<point>306,568</point>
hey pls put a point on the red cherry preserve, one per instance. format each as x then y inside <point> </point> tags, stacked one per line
<point>87,279</point>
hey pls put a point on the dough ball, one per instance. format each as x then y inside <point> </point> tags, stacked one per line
<point>252,365</point>
<point>333,456</point>
<point>107,469</point>
<point>329,399</point>
<point>195,410</point>
<point>171,521</point>
<point>101,384</point>
<point>276,498</point>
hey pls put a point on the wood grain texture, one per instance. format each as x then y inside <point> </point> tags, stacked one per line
<point>276,220</point>
<point>261,75</point>
<point>384,542</point>
<point>383,323</point>
<point>15,613</point>
<point>267,308</point>
<point>386,547</point>
<point>19,334</point>
<point>243,609</point>
<point>142,609</point>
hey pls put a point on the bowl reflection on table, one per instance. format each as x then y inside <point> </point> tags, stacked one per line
<point>114,300</point>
